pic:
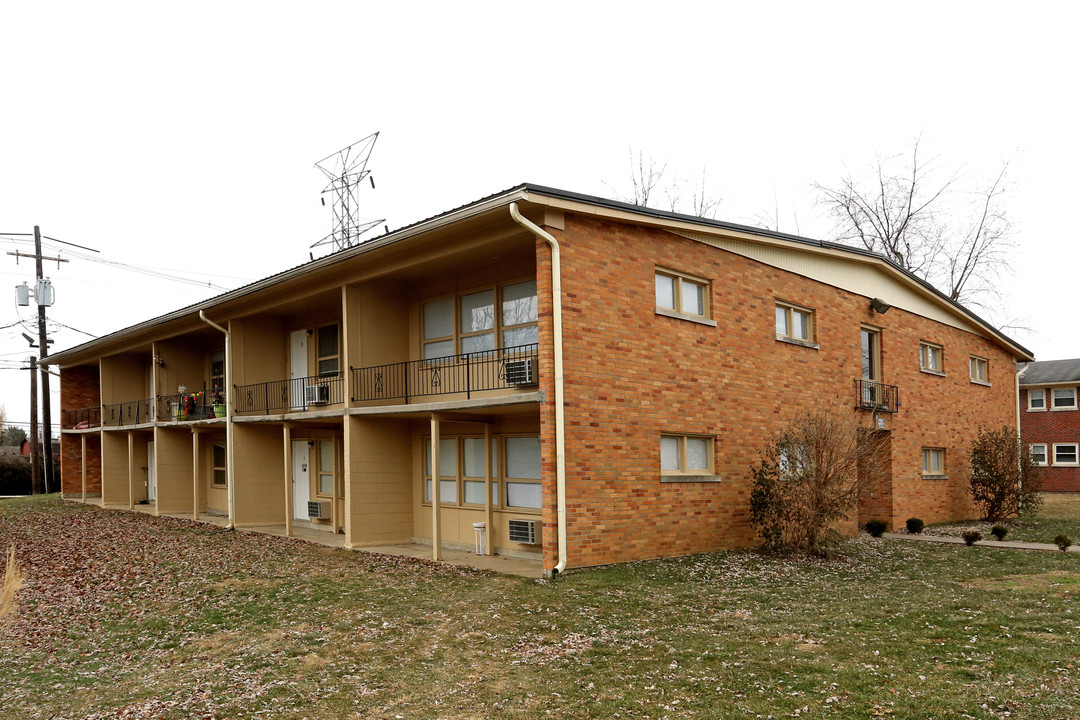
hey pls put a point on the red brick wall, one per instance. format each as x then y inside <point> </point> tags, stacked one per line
<point>631,374</point>
<point>80,387</point>
<point>1051,426</point>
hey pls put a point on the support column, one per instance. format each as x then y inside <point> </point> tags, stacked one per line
<point>195,473</point>
<point>83,439</point>
<point>287,438</point>
<point>436,502</point>
<point>489,514</point>
<point>131,470</point>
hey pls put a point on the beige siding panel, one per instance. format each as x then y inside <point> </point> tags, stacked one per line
<point>378,481</point>
<point>125,378</point>
<point>260,350</point>
<point>853,276</point>
<point>260,481</point>
<point>114,468</point>
<point>174,479</point>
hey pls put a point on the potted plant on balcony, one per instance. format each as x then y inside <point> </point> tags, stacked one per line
<point>217,400</point>
<point>179,408</point>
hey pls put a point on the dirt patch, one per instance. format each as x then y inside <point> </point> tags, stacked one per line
<point>1061,580</point>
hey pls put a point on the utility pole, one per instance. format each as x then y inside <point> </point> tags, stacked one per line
<point>43,351</point>
<point>35,457</point>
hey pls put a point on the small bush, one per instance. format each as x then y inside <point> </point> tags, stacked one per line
<point>1063,541</point>
<point>971,537</point>
<point>914,525</point>
<point>876,528</point>
<point>999,532</point>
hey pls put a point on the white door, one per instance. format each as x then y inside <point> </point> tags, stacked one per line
<point>301,479</point>
<point>151,474</point>
<point>298,341</point>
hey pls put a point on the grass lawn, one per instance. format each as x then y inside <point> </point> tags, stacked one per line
<point>130,616</point>
<point>1060,513</point>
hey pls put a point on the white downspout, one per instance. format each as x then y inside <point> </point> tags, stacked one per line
<point>231,493</point>
<point>560,419</point>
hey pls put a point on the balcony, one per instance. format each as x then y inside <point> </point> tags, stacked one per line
<point>294,395</point>
<point>503,369</point>
<point>187,407</point>
<point>134,412</point>
<point>83,418</point>
<point>876,396</point>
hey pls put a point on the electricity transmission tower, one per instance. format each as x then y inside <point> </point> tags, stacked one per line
<point>346,170</point>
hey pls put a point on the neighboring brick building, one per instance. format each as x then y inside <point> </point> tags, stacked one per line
<point>1050,421</point>
<point>434,350</point>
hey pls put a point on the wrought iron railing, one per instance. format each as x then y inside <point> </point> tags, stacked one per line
<point>297,394</point>
<point>505,368</point>
<point>189,406</point>
<point>89,417</point>
<point>876,396</point>
<point>135,412</point>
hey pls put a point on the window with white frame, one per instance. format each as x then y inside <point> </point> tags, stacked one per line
<point>931,358</point>
<point>219,474</point>
<point>686,455</point>
<point>933,461</point>
<point>980,369</point>
<point>681,293</point>
<point>1038,453</point>
<point>794,322</point>
<point>1037,399</point>
<point>1064,399</point>
<point>468,322</point>
<point>1065,454</point>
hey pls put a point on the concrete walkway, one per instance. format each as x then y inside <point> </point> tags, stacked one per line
<point>948,540</point>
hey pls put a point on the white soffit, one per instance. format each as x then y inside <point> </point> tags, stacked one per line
<point>857,277</point>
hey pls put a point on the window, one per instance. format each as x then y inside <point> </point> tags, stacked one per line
<point>870,353</point>
<point>447,471</point>
<point>523,472</point>
<point>980,370</point>
<point>1064,399</point>
<point>1038,453</point>
<point>327,350</point>
<point>217,370</point>
<point>468,323</point>
<point>930,358</point>
<point>474,468</point>
<point>1037,399</point>
<point>219,475</point>
<point>682,294</point>
<point>686,455</point>
<point>326,467</point>
<point>933,461</point>
<point>794,460</point>
<point>1065,454</point>
<point>794,323</point>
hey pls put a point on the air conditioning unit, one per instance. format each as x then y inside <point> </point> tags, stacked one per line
<point>317,394</point>
<point>318,510</point>
<point>520,372</point>
<point>524,532</point>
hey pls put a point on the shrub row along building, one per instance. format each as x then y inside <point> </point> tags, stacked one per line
<point>593,380</point>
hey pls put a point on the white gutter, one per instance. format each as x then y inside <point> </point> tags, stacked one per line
<point>560,414</point>
<point>229,462</point>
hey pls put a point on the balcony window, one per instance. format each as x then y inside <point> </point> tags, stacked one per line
<point>519,315</point>
<point>469,323</point>
<point>438,329</point>
<point>329,359</point>
<point>477,321</point>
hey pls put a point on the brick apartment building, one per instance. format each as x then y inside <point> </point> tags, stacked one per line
<point>1049,421</point>
<point>592,380</point>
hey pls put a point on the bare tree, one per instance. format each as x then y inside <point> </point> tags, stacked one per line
<point>958,241</point>
<point>1004,479</point>
<point>811,475</point>
<point>647,177</point>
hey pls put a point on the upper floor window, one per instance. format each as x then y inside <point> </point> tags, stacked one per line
<point>327,350</point>
<point>980,370</point>
<point>1037,399</point>
<point>217,369</point>
<point>468,323</point>
<point>931,358</point>
<point>1064,399</point>
<point>794,322</point>
<point>870,352</point>
<point>683,294</point>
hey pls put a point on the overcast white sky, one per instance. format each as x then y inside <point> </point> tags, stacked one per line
<point>183,137</point>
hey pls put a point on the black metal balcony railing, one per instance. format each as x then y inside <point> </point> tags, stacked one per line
<point>505,368</point>
<point>876,396</point>
<point>89,417</point>
<point>297,394</point>
<point>135,412</point>
<point>185,407</point>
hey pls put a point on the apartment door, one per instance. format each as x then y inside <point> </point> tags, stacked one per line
<point>151,474</point>
<point>298,370</point>
<point>870,342</point>
<point>301,479</point>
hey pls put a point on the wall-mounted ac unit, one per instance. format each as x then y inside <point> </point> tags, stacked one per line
<point>524,532</point>
<point>317,394</point>
<point>318,510</point>
<point>520,372</point>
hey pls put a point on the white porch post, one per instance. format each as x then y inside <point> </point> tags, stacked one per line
<point>287,439</point>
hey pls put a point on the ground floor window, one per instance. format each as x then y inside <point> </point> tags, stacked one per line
<point>686,455</point>
<point>1038,453</point>
<point>1065,454</point>
<point>461,465</point>
<point>933,461</point>
<point>219,476</point>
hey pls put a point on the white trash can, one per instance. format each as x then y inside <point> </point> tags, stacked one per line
<point>480,533</point>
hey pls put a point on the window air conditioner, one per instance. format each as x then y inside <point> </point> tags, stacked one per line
<point>520,372</point>
<point>318,510</point>
<point>317,394</point>
<point>524,532</point>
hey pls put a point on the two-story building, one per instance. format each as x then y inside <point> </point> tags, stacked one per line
<point>590,379</point>
<point>1049,421</point>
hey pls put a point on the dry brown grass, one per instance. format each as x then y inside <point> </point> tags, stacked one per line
<point>13,583</point>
